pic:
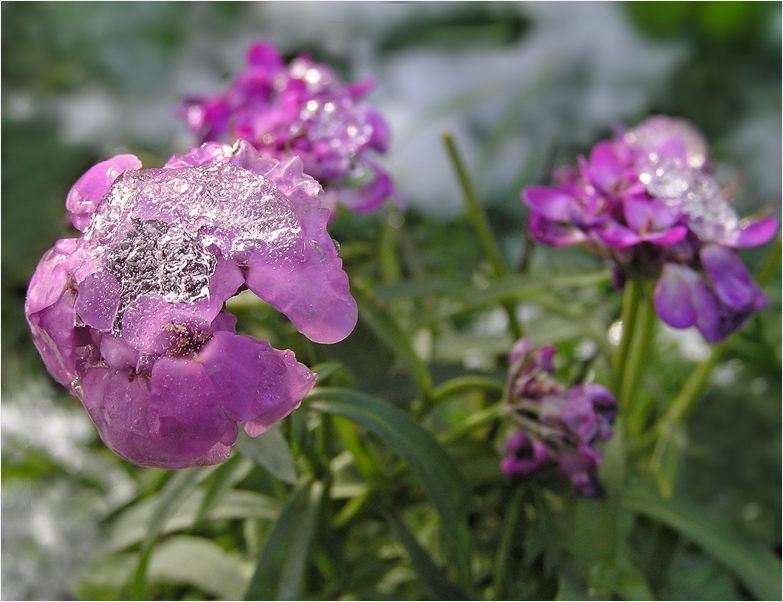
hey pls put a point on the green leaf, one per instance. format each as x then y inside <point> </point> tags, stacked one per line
<point>280,568</point>
<point>391,335</point>
<point>757,568</point>
<point>171,496</point>
<point>199,562</point>
<point>270,450</point>
<point>130,527</point>
<point>431,575</point>
<point>228,474</point>
<point>326,369</point>
<point>512,288</point>
<point>427,459</point>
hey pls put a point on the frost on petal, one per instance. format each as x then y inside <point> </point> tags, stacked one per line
<point>130,315</point>
<point>51,276</point>
<point>755,233</point>
<point>98,301</point>
<point>88,190</point>
<point>49,309</point>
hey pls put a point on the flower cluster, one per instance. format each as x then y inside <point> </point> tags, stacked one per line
<point>556,426</point>
<point>130,316</point>
<point>302,109</point>
<point>647,200</point>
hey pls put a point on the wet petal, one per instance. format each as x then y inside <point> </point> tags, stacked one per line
<point>755,233</point>
<point>88,191</point>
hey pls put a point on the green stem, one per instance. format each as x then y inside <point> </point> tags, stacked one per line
<point>506,541</point>
<point>644,329</point>
<point>477,420</point>
<point>628,321</point>
<point>478,216</point>
<point>465,383</point>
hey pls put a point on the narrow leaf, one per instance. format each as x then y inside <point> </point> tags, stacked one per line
<point>437,472</point>
<point>432,576</point>
<point>171,496</point>
<point>391,335</point>
<point>270,450</point>
<point>226,476</point>
<point>757,568</point>
<point>280,568</point>
<point>199,562</point>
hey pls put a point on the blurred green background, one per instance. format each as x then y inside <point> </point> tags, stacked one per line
<point>517,83</point>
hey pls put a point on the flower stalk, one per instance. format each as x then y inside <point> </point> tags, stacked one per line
<point>479,218</point>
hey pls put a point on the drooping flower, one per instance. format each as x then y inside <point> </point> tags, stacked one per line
<point>554,425</point>
<point>302,109</point>
<point>647,200</point>
<point>130,316</point>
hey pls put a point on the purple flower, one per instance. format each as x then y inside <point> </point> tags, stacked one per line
<point>524,456</point>
<point>647,201</point>
<point>302,109</point>
<point>555,425</point>
<point>130,315</point>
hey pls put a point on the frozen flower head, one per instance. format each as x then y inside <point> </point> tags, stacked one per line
<point>555,426</point>
<point>302,109</point>
<point>647,200</point>
<point>130,316</point>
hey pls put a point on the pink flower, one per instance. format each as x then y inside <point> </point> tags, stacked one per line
<point>555,426</point>
<point>647,200</point>
<point>302,109</point>
<point>130,315</point>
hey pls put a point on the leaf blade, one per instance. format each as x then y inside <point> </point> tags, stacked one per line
<point>278,574</point>
<point>758,569</point>
<point>437,472</point>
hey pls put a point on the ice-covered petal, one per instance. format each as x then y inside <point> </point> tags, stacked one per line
<point>88,190</point>
<point>313,294</point>
<point>121,406</point>
<point>51,276</point>
<point>185,414</point>
<point>755,233</point>
<point>147,324</point>
<point>98,301</point>
<point>254,380</point>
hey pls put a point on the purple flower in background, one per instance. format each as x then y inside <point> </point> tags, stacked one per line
<point>647,201</point>
<point>302,109</point>
<point>130,315</point>
<point>555,426</point>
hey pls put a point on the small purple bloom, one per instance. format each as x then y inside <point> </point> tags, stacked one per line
<point>524,456</point>
<point>302,109</point>
<point>130,315</point>
<point>557,426</point>
<point>647,200</point>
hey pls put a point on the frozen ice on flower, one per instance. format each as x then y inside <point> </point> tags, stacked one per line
<point>647,201</point>
<point>554,426</point>
<point>302,109</point>
<point>130,315</point>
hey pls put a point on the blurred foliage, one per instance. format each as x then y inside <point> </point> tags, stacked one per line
<point>376,528</point>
